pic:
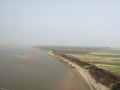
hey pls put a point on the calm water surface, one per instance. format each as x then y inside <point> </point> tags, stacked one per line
<point>42,73</point>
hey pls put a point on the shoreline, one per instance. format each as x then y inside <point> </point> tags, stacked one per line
<point>93,85</point>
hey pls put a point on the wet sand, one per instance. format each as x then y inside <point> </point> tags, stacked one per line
<point>74,81</point>
<point>78,78</point>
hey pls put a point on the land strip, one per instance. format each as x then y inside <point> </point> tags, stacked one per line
<point>105,80</point>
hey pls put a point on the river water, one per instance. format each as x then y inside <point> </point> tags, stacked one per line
<point>40,73</point>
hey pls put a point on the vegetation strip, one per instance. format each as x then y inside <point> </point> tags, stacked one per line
<point>100,75</point>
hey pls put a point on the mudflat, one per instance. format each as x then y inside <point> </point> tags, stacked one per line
<point>74,81</point>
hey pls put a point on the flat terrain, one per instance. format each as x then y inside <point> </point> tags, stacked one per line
<point>106,59</point>
<point>74,81</point>
<point>102,63</point>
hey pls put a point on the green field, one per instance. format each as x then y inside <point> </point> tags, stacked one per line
<point>106,59</point>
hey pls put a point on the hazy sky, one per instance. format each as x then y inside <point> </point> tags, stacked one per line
<point>60,22</point>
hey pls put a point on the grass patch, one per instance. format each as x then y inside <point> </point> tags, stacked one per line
<point>108,51</point>
<point>116,63</point>
<point>107,63</point>
<point>103,59</point>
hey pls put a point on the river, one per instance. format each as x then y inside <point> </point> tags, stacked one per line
<point>42,73</point>
<point>34,69</point>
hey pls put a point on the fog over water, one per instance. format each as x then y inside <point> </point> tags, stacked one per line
<point>60,22</point>
<point>40,73</point>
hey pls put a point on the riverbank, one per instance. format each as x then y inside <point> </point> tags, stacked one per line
<point>92,82</point>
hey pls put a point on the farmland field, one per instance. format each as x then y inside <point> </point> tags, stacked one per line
<point>106,59</point>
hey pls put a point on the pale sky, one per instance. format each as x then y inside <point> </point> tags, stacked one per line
<point>60,22</point>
